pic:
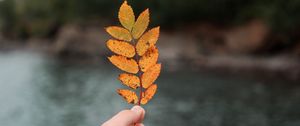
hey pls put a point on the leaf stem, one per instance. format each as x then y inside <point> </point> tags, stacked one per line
<point>139,74</point>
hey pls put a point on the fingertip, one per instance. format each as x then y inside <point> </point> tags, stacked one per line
<point>139,111</point>
<point>127,117</point>
<point>139,124</point>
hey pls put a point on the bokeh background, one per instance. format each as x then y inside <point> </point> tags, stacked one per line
<point>225,62</point>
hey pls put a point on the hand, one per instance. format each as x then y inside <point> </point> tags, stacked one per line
<point>133,117</point>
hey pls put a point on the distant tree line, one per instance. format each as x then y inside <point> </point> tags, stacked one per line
<point>39,17</point>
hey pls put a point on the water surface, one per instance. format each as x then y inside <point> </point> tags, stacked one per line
<point>40,91</point>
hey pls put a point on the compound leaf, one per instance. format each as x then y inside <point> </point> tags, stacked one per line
<point>144,51</point>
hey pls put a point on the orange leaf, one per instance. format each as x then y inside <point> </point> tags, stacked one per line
<point>147,54</point>
<point>148,59</point>
<point>150,75</point>
<point>128,95</point>
<point>130,80</point>
<point>126,16</point>
<point>125,64</point>
<point>149,93</point>
<point>121,48</point>
<point>147,40</point>
<point>119,33</point>
<point>141,24</point>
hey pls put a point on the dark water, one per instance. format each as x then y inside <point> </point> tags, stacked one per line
<point>39,91</point>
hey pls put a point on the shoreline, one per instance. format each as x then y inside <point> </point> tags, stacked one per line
<point>178,51</point>
<point>267,67</point>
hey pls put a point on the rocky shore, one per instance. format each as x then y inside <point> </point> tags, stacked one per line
<point>205,47</point>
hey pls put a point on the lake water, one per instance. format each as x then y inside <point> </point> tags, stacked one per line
<point>36,90</point>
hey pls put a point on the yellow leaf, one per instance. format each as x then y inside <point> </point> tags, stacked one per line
<point>149,59</point>
<point>141,24</point>
<point>126,16</point>
<point>150,75</point>
<point>121,48</point>
<point>119,33</point>
<point>147,40</point>
<point>130,80</point>
<point>128,95</point>
<point>125,64</point>
<point>144,52</point>
<point>149,93</point>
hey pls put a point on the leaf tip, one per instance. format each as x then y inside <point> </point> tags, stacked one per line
<point>107,28</point>
<point>147,10</point>
<point>118,91</point>
<point>124,4</point>
<point>159,64</point>
<point>109,57</point>
<point>158,27</point>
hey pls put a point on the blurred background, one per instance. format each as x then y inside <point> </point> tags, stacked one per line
<point>225,62</point>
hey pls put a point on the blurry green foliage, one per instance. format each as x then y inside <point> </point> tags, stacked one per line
<point>7,16</point>
<point>39,16</point>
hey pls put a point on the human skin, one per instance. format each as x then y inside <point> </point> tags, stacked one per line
<point>132,117</point>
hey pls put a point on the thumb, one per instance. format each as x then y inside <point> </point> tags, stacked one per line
<point>127,117</point>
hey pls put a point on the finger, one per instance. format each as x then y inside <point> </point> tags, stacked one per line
<point>127,117</point>
<point>139,124</point>
<point>142,116</point>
